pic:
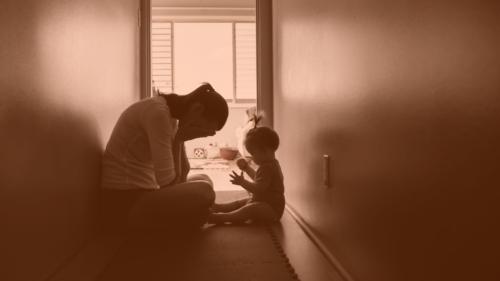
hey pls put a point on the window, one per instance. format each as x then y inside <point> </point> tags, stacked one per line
<point>203,52</point>
<point>183,54</point>
<point>161,56</point>
<point>245,61</point>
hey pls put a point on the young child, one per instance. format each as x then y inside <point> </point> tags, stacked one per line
<point>267,200</point>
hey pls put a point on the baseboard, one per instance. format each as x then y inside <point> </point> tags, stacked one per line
<point>321,246</point>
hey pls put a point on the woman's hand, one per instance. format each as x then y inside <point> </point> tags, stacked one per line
<point>237,179</point>
<point>185,167</point>
<point>188,132</point>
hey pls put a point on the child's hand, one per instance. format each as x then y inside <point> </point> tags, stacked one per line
<point>237,179</point>
<point>242,164</point>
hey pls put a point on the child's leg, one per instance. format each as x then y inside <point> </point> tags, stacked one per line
<point>257,211</point>
<point>230,206</point>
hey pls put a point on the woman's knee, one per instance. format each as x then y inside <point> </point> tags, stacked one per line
<point>201,177</point>
<point>205,191</point>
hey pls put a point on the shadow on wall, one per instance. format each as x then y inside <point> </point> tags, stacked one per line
<point>408,179</point>
<point>49,180</point>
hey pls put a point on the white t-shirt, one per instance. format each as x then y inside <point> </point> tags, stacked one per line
<point>139,152</point>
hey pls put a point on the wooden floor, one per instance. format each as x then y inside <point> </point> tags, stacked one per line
<point>308,261</point>
<point>95,260</point>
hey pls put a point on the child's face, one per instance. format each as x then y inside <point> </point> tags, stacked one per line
<point>260,156</point>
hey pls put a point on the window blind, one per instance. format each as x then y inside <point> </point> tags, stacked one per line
<point>246,61</point>
<point>161,56</point>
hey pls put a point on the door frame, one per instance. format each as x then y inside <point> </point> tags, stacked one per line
<point>265,91</point>
<point>144,19</point>
<point>264,55</point>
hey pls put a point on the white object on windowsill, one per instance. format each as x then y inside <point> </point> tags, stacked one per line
<point>212,151</point>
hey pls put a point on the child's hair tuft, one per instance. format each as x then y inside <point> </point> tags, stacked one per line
<point>260,136</point>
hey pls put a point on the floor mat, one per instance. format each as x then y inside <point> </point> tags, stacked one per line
<point>222,253</point>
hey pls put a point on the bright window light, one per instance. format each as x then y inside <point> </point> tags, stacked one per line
<point>203,52</point>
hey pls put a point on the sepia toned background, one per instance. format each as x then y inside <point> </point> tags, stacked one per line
<point>403,95</point>
<point>68,69</point>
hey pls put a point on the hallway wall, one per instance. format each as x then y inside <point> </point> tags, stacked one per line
<point>68,69</point>
<point>404,95</point>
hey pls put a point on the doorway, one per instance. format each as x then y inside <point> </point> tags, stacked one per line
<point>215,41</point>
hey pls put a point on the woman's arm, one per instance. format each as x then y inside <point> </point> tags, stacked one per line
<point>176,153</point>
<point>181,161</point>
<point>164,150</point>
<point>185,166</point>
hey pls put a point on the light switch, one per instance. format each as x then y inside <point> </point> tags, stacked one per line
<point>326,170</point>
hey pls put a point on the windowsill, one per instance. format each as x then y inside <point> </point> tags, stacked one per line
<point>240,105</point>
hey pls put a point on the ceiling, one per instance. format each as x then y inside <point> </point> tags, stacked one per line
<point>204,3</point>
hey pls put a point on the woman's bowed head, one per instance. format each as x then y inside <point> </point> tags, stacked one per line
<point>200,113</point>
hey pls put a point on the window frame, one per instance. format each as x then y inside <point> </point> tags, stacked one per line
<point>264,34</point>
<point>234,99</point>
